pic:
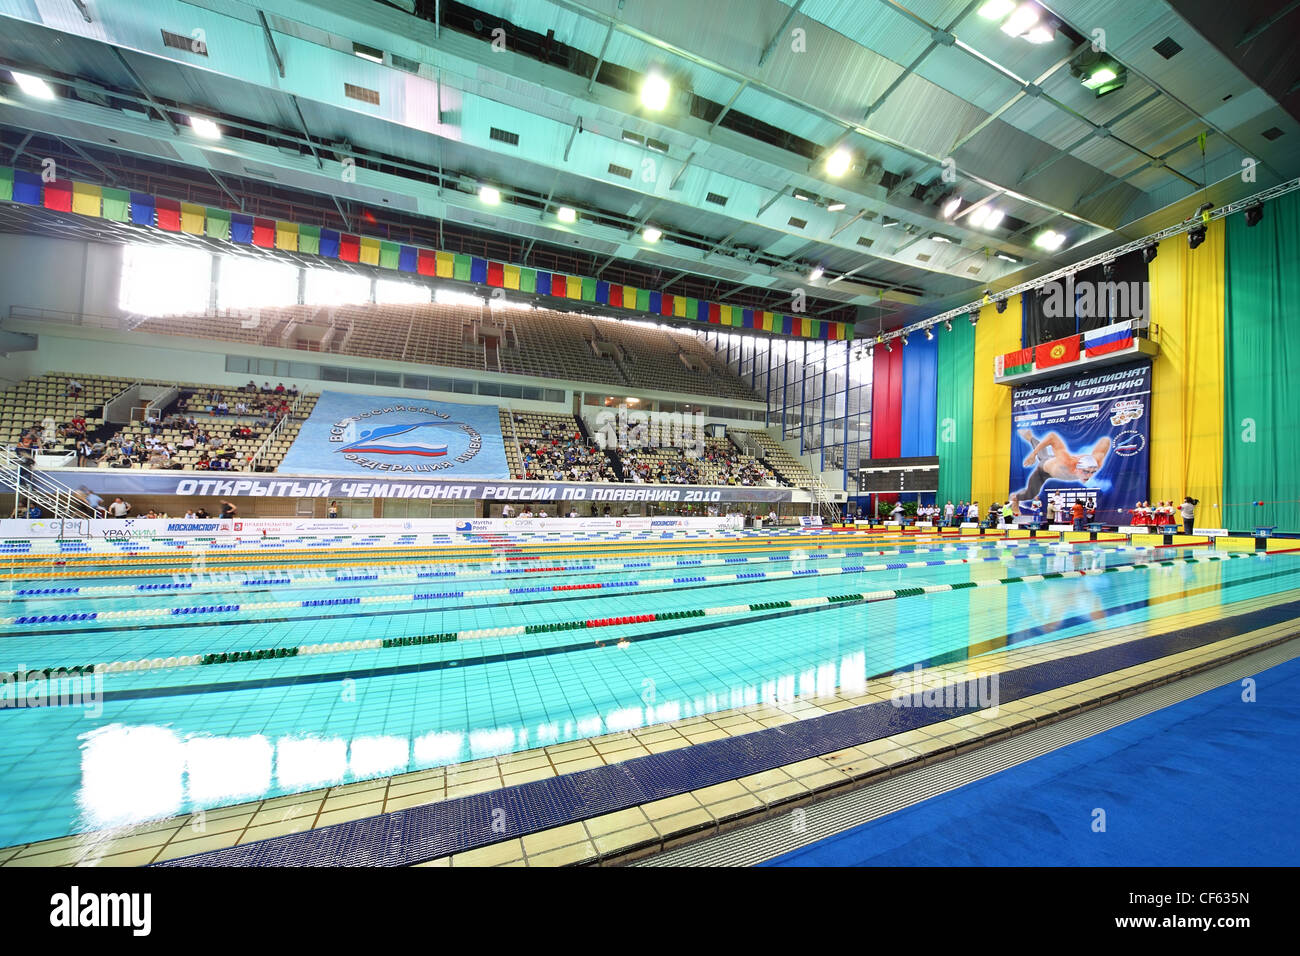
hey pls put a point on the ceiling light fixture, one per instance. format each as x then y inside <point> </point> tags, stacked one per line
<point>1150,252</point>
<point>33,85</point>
<point>929,334</point>
<point>1022,21</point>
<point>977,217</point>
<point>651,234</point>
<point>816,273</point>
<point>939,237</point>
<point>655,91</point>
<point>489,194</point>
<point>1196,236</point>
<point>838,163</point>
<point>205,128</point>
<point>567,214</point>
<point>1254,214</point>
<point>835,206</point>
<point>1005,257</point>
<point>947,324</point>
<point>951,206</point>
<point>1050,240</point>
<point>996,9</point>
<point>994,219</point>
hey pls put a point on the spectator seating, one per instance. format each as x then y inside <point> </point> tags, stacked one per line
<point>787,468</point>
<point>538,343</point>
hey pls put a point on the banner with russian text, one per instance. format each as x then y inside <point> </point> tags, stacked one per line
<point>1086,439</point>
<point>376,435</point>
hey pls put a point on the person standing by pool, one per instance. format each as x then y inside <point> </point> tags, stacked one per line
<point>334,509</point>
<point>228,510</point>
<point>1188,512</point>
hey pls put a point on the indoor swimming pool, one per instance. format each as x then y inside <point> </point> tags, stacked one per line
<point>251,674</point>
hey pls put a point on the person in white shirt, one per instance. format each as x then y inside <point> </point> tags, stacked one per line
<point>973,512</point>
<point>771,516</point>
<point>948,512</point>
<point>119,508</point>
<point>507,511</point>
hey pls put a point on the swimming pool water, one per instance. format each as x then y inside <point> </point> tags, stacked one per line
<point>162,742</point>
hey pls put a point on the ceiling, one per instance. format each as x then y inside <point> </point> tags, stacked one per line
<point>540,98</point>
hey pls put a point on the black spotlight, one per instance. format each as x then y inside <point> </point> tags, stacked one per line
<point>1195,236</point>
<point>1254,214</point>
<point>947,324</point>
<point>904,339</point>
<point>974,317</point>
<point>1001,306</point>
<point>1108,270</point>
<point>889,346</point>
<point>1149,253</point>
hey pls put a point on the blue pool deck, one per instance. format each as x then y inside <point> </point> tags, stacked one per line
<point>388,719</point>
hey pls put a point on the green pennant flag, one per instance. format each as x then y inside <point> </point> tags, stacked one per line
<point>309,240</point>
<point>527,280</point>
<point>218,224</point>
<point>588,289</point>
<point>115,204</point>
<point>6,184</point>
<point>389,254</point>
<point>642,300</point>
<point>460,267</point>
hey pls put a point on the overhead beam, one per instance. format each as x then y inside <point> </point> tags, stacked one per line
<point>780,32</point>
<point>144,90</point>
<point>270,42</point>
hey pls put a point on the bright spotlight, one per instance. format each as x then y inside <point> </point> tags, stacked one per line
<point>33,85</point>
<point>1050,240</point>
<point>489,194</point>
<point>817,272</point>
<point>951,206</point>
<point>838,163</point>
<point>655,91</point>
<point>996,9</point>
<point>567,214</point>
<point>651,234</point>
<point>1022,21</point>
<point>205,127</point>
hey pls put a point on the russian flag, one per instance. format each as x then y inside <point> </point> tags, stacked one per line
<point>1112,338</point>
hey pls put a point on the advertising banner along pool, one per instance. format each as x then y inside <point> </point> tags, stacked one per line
<point>373,434</point>
<point>1083,439</point>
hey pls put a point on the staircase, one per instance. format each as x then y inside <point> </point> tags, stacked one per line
<point>32,487</point>
<point>826,506</point>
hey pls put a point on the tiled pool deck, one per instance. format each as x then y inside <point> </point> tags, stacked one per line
<point>611,838</point>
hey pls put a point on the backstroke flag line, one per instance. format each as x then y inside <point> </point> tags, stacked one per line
<point>375,435</point>
<point>1086,438</point>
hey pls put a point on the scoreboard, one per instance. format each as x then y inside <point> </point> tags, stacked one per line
<point>894,475</point>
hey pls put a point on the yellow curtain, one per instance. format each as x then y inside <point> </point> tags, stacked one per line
<point>1187,400</point>
<point>991,423</point>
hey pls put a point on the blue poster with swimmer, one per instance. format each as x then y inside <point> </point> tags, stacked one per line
<point>375,434</point>
<point>1084,439</point>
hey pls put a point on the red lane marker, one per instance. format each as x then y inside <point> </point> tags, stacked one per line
<point>575,587</point>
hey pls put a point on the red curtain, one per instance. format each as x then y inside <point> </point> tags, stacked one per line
<point>887,403</point>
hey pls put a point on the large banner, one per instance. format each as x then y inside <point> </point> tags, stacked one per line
<point>108,482</point>
<point>1083,439</point>
<point>366,434</point>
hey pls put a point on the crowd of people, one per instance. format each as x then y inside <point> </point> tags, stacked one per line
<point>659,469</point>
<point>569,459</point>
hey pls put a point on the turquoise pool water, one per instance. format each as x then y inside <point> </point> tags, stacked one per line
<point>153,743</point>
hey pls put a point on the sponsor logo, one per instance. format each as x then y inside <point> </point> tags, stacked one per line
<point>194,526</point>
<point>1123,412</point>
<point>1130,443</point>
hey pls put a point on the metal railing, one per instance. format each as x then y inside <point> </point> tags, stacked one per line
<point>34,487</point>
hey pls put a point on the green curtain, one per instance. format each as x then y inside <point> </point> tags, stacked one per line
<point>954,419</point>
<point>1261,456</point>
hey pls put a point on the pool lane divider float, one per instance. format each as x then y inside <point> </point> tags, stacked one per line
<point>740,577</point>
<point>511,550</point>
<point>866,597</point>
<point>408,577</point>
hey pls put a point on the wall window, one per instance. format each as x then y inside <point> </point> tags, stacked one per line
<point>249,282</point>
<point>392,292</point>
<point>335,287</point>
<point>165,280</point>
